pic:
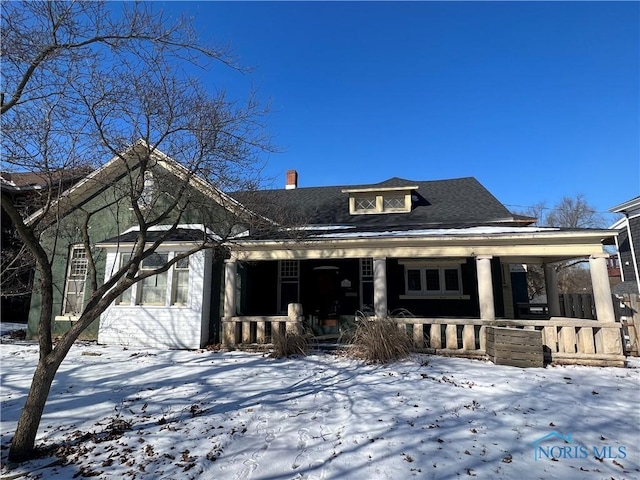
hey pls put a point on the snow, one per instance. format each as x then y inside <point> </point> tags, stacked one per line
<point>8,327</point>
<point>468,231</point>
<point>131,413</point>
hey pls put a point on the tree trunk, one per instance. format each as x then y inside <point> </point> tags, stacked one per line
<point>23,442</point>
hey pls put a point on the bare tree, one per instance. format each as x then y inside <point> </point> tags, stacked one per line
<point>569,212</point>
<point>574,213</point>
<point>84,84</point>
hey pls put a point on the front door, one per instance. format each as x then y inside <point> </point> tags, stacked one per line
<point>326,296</point>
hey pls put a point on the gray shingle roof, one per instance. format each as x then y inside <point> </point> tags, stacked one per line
<point>178,235</point>
<point>460,201</point>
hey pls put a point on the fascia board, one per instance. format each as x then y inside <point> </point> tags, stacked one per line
<point>627,207</point>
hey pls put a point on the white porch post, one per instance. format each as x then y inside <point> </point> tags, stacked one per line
<point>601,288</point>
<point>551,287</point>
<point>229,288</point>
<point>380,287</point>
<point>485,287</point>
<point>608,340</point>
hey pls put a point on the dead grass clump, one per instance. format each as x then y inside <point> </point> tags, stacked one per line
<point>288,344</point>
<point>379,341</point>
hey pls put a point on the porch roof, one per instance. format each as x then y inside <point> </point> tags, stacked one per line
<point>519,244</point>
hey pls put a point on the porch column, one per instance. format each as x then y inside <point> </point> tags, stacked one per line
<point>601,288</point>
<point>551,287</point>
<point>485,287</point>
<point>230,273</point>
<point>380,287</point>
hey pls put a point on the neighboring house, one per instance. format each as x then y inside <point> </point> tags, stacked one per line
<point>27,191</point>
<point>628,244</point>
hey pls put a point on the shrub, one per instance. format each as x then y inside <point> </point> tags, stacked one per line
<point>379,340</point>
<point>289,343</point>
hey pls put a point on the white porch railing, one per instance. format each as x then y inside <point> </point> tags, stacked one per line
<point>565,340</point>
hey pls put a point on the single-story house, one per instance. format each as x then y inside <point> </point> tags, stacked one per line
<point>445,257</point>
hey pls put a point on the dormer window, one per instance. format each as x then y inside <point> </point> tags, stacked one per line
<point>393,202</point>
<point>380,200</point>
<point>365,204</point>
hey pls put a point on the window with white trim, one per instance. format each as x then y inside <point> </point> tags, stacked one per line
<point>430,279</point>
<point>125,297</point>
<point>153,290</point>
<point>170,288</point>
<point>366,284</point>
<point>180,282</point>
<point>73,301</point>
<point>288,283</point>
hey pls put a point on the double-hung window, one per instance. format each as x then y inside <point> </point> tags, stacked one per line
<point>73,301</point>
<point>288,283</point>
<point>366,284</point>
<point>153,290</point>
<point>125,297</point>
<point>179,295</point>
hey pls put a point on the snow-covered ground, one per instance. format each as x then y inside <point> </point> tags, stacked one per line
<point>125,413</point>
<point>8,327</point>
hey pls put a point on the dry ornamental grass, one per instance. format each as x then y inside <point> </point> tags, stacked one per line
<point>379,341</point>
<point>288,344</point>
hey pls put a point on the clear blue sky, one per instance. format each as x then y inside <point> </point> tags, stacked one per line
<point>537,100</point>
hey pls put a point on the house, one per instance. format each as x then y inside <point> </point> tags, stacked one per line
<point>628,245</point>
<point>27,191</point>
<point>445,254</point>
<point>178,308</point>
<point>444,258</point>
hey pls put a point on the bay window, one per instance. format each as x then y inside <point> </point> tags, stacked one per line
<point>170,288</point>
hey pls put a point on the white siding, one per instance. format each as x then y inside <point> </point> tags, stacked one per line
<point>180,327</point>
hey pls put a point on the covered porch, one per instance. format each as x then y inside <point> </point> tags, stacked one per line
<point>447,288</point>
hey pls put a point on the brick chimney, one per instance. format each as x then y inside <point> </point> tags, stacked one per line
<point>292,179</point>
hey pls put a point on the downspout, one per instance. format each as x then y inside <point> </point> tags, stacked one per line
<point>619,259</point>
<point>633,252</point>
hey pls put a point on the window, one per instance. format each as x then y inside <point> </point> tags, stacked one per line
<point>73,301</point>
<point>432,280</point>
<point>366,284</point>
<point>288,283</point>
<point>153,290</point>
<point>146,199</point>
<point>170,288</point>
<point>365,203</point>
<point>180,282</point>
<point>125,297</point>
<point>393,202</point>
